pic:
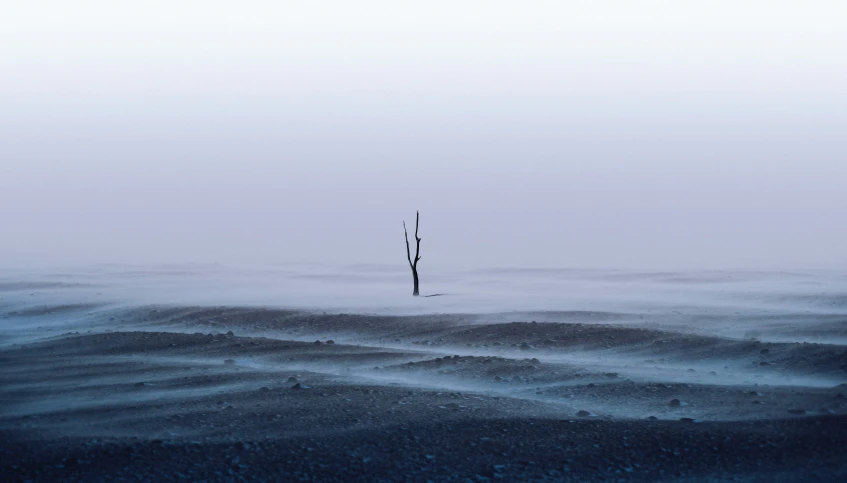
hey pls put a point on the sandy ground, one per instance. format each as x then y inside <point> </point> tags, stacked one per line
<point>247,394</point>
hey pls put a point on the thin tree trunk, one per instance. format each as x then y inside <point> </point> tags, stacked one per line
<point>414,264</point>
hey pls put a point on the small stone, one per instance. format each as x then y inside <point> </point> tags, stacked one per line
<point>765,351</point>
<point>797,411</point>
<point>689,420</point>
<point>140,384</point>
<point>299,386</point>
<point>584,414</point>
<point>652,418</point>
<point>292,379</point>
<point>756,402</point>
<point>676,403</point>
<point>230,334</point>
<point>330,342</point>
<point>264,388</point>
<point>317,342</point>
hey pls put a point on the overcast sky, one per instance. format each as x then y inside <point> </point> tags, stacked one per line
<point>585,133</point>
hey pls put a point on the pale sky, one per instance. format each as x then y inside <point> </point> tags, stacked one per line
<point>597,133</point>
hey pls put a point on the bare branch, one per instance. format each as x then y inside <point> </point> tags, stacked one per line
<point>418,247</point>
<point>408,251</point>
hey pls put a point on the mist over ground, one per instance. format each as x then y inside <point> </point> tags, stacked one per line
<point>386,289</point>
<point>131,372</point>
<point>722,309</point>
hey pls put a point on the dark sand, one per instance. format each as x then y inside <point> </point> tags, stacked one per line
<point>166,394</point>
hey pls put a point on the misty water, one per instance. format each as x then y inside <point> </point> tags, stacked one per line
<point>735,303</point>
<point>720,307</point>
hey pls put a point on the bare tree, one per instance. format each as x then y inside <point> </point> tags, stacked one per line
<point>414,265</point>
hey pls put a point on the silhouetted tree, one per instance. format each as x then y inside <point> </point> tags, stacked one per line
<point>414,264</point>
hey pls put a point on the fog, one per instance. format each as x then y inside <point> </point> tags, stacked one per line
<point>561,134</point>
<point>795,306</point>
<point>697,332</point>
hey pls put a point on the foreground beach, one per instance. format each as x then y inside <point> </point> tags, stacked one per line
<point>197,394</point>
<point>94,390</point>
